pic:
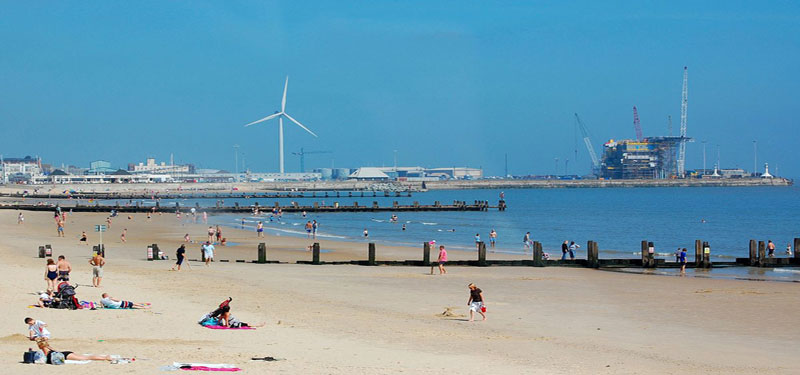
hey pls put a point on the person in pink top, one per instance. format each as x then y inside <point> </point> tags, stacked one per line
<point>442,260</point>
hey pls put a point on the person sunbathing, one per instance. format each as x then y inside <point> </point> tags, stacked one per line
<point>113,303</point>
<point>49,352</point>
<point>222,317</point>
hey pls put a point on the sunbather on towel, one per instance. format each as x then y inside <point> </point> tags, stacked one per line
<point>222,317</point>
<point>50,353</point>
<point>113,303</point>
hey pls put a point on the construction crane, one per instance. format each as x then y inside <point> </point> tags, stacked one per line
<point>592,154</point>
<point>636,125</point>
<point>303,154</point>
<point>684,107</point>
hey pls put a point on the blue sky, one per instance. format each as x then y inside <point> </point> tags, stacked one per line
<point>443,83</point>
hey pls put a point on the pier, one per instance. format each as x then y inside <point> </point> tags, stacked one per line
<point>205,195</point>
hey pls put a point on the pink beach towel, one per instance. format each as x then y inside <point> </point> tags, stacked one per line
<point>204,368</point>
<point>221,327</point>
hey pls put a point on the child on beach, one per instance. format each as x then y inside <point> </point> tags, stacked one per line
<point>476,302</point>
<point>84,239</point>
<point>123,235</point>
<point>37,329</point>
<point>260,229</point>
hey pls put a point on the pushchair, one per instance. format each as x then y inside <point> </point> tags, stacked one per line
<point>64,297</point>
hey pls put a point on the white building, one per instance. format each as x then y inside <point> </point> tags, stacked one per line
<point>150,166</point>
<point>19,169</point>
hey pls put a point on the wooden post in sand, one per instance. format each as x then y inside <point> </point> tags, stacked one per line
<point>593,254</point>
<point>698,253</point>
<point>762,252</point>
<point>371,250</point>
<point>481,253</point>
<point>651,253</point>
<point>426,253</point>
<point>645,261</point>
<point>262,253</point>
<point>706,255</point>
<point>537,254</point>
<point>41,251</point>
<point>796,245</point>
<point>315,255</point>
<point>753,253</point>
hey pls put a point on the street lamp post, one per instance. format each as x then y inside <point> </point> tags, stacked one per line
<point>755,158</point>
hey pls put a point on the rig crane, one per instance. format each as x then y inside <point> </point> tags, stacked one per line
<point>637,126</point>
<point>588,142</point>
<point>303,154</point>
<point>684,108</point>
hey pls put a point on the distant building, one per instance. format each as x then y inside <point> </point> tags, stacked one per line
<point>460,173</point>
<point>16,170</point>
<point>100,167</point>
<point>368,174</point>
<point>150,166</point>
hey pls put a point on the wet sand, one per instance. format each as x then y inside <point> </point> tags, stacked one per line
<point>354,319</point>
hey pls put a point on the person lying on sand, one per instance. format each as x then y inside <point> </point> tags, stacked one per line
<point>113,303</point>
<point>54,357</point>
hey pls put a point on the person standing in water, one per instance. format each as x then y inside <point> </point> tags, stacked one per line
<point>492,238</point>
<point>477,240</point>
<point>260,229</point>
<point>771,248</point>
<point>682,261</point>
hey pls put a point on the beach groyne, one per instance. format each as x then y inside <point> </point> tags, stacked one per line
<point>250,209</point>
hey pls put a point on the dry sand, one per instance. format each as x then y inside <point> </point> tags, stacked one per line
<point>355,319</point>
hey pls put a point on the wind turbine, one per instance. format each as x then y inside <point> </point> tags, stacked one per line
<point>280,115</point>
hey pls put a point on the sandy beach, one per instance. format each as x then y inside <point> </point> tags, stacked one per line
<point>355,319</point>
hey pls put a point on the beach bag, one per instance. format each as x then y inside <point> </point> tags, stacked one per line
<point>29,357</point>
<point>57,358</point>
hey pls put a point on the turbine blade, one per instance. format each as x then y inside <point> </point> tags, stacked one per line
<point>270,117</point>
<point>283,102</point>
<point>299,124</point>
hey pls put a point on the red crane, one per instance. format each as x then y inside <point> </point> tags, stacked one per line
<point>637,126</point>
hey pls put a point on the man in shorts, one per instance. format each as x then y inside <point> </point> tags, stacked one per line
<point>64,268</point>
<point>113,303</point>
<point>97,262</point>
<point>208,252</point>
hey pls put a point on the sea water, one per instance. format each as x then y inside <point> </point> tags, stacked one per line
<point>618,219</point>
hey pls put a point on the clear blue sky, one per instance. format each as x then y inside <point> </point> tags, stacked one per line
<point>444,83</point>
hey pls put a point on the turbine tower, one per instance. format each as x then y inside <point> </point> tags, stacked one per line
<point>280,115</point>
<point>684,105</point>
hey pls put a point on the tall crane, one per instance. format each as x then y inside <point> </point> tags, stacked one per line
<point>637,126</point>
<point>303,154</point>
<point>588,142</point>
<point>684,108</point>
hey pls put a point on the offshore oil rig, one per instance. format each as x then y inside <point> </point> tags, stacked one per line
<point>643,158</point>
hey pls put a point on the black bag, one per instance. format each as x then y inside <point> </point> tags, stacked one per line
<point>29,357</point>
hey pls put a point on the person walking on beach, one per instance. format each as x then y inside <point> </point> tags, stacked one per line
<point>771,248</point>
<point>564,250</point>
<point>122,236</point>
<point>477,241</point>
<point>60,228</point>
<point>50,274</point>
<point>492,238</point>
<point>64,268</point>
<point>20,218</point>
<point>682,261</point>
<point>205,217</point>
<point>208,252</point>
<point>572,248</point>
<point>442,260</point>
<point>218,233</point>
<point>476,302</point>
<point>526,241</point>
<point>210,234</point>
<point>179,255</point>
<point>97,262</point>
<point>260,229</point>
<point>186,238</point>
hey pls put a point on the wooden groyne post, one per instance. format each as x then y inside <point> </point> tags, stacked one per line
<point>762,253</point>
<point>796,245</point>
<point>426,253</point>
<point>698,253</point>
<point>315,255</point>
<point>592,254</point>
<point>537,254</point>
<point>753,253</point>
<point>648,251</point>
<point>481,254</point>
<point>371,259</point>
<point>706,255</point>
<point>262,253</point>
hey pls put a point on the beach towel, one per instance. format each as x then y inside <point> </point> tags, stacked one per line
<point>205,366</point>
<point>223,327</point>
<point>74,362</point>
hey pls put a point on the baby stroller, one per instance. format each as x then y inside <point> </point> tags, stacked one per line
<point>64,297</point>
